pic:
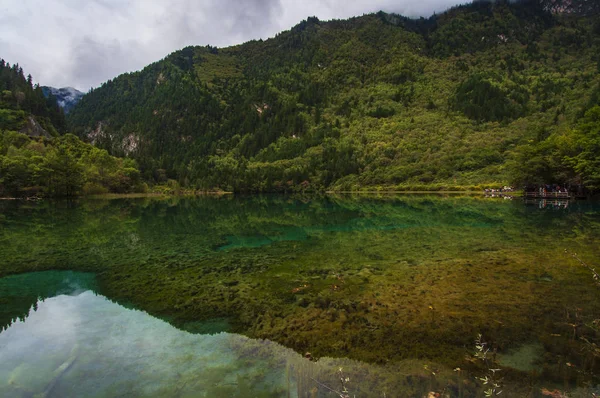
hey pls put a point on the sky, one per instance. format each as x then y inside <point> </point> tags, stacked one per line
<point>82,43</point>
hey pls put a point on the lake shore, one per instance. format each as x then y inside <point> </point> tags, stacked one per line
<point>128,195</point>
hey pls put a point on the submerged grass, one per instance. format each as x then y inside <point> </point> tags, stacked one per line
<point>381,280</point>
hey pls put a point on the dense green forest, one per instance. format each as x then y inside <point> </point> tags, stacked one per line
<point>483,94</point>
<point>20,98</point>
<point>37,158</point>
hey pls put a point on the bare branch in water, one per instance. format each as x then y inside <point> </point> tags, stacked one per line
<point>327,387</point>
<point>593,270</point>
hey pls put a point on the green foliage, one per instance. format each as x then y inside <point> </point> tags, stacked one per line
<point>18,96</point>
<point>484,93</point>
<point>486,25</point>
<point>535,164</point>
<point>63,166</point>
<point>585,158</point>
<point>569,158</point>
<point>487,98</point>
<point>12,119</point>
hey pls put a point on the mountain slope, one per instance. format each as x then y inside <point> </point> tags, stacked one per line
<point>67,97</point>
<point>23,105</point>
<point>38,159</point>
<point>375,100</point>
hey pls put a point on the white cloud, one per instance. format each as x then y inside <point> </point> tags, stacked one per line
<point>82,43</point>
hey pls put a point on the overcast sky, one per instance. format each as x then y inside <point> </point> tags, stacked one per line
<point>82,43</point>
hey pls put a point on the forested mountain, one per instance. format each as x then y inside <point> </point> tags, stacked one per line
<point>38,158</point>
<point>485,93</point>
<point>21,98</point>
<point>66,97</point>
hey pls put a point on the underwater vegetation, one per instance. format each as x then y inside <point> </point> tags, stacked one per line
<point>79,343</point>
<point>387,280</point>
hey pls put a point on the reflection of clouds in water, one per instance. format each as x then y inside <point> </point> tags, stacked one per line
<point>85,345</point>
<point>50,325</point>
<point>115,350</point>
<point>32,350</point>
<point>73,287</point>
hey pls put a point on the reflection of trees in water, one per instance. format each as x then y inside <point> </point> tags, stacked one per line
<point>566,222</point>
<point>87,234</point>
<point>20,294</point>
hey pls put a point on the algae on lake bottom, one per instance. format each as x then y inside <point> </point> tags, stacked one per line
<point>380,280</point>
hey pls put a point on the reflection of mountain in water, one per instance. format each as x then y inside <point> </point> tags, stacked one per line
<point>86,235</point>
<point>20,294</point>
<point>84,345</point>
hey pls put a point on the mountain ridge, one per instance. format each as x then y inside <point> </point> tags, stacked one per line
<point>67,97</point>
<point>377,100</point>
<point>39,158</point>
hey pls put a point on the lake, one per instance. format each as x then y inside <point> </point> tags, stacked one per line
<point>271,295</point>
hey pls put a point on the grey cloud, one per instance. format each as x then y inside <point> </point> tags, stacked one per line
<point>250,17</point>
<point>223,22</point>
<point>83,43</point>
<point>217,22</point>
<point>92,58</point>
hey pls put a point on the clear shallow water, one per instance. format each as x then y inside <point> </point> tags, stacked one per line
<point>408,282</point>
<point>76,343</point>
<point>85,345</point>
